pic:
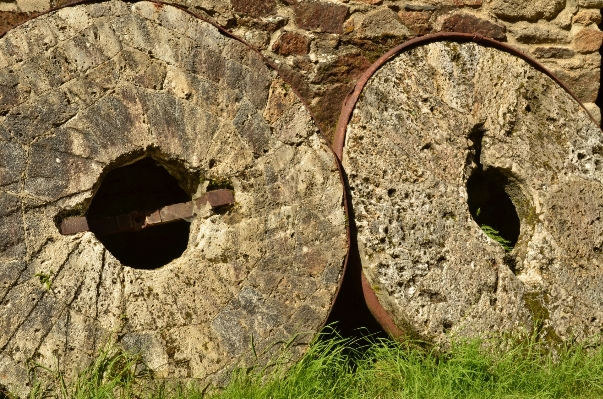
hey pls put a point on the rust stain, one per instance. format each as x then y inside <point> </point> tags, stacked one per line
<point>220,197</point>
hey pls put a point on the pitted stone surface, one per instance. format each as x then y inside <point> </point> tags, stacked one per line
<point>94,87</point>
<point>409,153</point>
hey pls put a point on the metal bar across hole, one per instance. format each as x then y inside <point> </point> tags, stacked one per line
<point>138,220</point>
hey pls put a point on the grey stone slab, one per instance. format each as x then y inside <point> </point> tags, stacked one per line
<point>53,174</point>
<point>10,271</point>
<point>38,116</point>
<point>207,62</point>
<point>14,90</point>
<point>141,70</point>
<point>12,237</point>
<point>48,71</point>
<point>252,128</point>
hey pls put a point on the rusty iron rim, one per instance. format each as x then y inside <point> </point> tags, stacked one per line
<point>371,299</point>
<point>272,65</point>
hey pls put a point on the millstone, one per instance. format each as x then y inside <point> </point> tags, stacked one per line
<point>100,102</point>
<point>476,188</point>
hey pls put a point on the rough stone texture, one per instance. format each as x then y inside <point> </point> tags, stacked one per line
<point>8,19</point>
<point>381,22</point>
<point>588,40</point>
<point>466,23</point>
<point>564,19</point>
<point>336,28</point>
<point>594,111</point>
<point>343,69</point>
<point>9,6</point>
<point>591,3</point>
<point>320,16</point>
<point>419,7</point>
<point>254,8</point>
<point>87,89</point>
<point>584,84</point>
<point>427,121</point>
<point>542,33</point>
<point>530,10</point>
<point>291,43</point>
<point>587,17</point>
<point>457,3</point>
<point>553,52</point>
<point>33,5</point>
<point>330,102</point>
<point>417,21</point>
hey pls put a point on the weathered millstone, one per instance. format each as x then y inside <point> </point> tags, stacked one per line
<point>89,89</point>
<point>454,152</point>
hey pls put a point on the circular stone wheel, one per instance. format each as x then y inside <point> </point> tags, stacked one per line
<point>91,88</point>
<point>476,187</point>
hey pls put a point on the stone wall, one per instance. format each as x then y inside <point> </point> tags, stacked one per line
<point>323,46</point>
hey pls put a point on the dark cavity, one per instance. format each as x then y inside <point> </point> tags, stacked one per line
<point>143,185</point>
<point>489,204</point>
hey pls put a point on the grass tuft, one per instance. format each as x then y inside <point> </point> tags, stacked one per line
<point>335,367</point>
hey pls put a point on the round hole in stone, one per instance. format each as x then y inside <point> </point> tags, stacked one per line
<point>492,208</point>
<point>142,185</point>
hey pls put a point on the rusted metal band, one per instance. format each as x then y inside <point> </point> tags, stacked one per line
<point>378,311</point>
<point>346,204</point>
<point>138,220</point>
<point>352,98</point>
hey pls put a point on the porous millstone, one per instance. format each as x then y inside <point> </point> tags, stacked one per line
<point>89,88</point>
<point>423,124</point>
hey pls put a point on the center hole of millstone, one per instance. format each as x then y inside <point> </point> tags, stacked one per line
<point>492,208</point>
<point>142,185</point>
<point>489,204</point>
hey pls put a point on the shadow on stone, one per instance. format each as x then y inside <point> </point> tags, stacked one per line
<point>5,393</point>
<point>489,204</point>
<point>350,315</point>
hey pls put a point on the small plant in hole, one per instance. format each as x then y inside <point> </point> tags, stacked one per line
<point>492,208</point>
<point>495,235</point>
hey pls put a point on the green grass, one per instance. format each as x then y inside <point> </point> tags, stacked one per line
<point>339,368</point>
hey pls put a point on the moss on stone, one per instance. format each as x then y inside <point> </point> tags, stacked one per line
<point>216,184</point>
<point>536,303</point>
